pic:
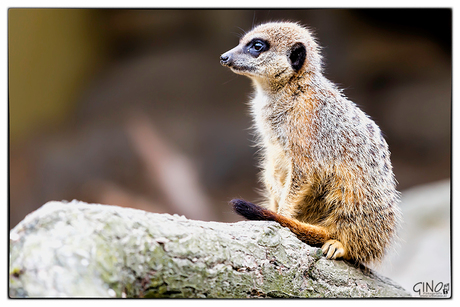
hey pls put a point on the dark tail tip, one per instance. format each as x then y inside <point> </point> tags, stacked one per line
<point>250,210</point>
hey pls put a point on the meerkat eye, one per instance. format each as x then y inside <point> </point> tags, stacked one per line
<point>256,47</point>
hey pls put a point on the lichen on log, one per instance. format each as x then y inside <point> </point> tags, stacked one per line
<point>89,250</point>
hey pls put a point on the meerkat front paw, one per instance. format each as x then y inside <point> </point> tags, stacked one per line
<point>333,249</point>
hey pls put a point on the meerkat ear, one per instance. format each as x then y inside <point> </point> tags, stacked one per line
<point>297,56</point>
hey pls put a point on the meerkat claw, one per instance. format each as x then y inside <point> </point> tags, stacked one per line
<point>333,249</point>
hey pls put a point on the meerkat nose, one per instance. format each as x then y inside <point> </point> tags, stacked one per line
<point>225,59</point>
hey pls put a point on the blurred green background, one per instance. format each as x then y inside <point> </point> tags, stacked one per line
<point>132,108</point>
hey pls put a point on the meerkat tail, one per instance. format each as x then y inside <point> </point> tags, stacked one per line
<point>310,234</point>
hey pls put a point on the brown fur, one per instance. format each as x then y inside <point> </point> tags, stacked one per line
<point>325,166</point>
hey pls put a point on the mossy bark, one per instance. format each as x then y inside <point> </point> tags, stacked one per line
<point>86,250</point>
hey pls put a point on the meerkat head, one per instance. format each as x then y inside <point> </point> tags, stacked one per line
<point>274,52</point>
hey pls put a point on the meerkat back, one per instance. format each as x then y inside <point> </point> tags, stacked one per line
<point>326,168</point>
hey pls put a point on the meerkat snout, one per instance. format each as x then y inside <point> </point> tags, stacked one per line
<point>225,59</point>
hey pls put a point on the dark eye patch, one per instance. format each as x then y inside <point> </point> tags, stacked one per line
<point>256,46</point>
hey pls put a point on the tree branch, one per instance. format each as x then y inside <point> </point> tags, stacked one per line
<point>86,250</point>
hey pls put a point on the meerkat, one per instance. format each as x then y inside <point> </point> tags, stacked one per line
<point>326,167</point>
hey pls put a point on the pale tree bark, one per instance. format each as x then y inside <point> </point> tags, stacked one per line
<point>87,250</point>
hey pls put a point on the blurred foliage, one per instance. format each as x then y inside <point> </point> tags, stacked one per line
<point>51,53</point>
